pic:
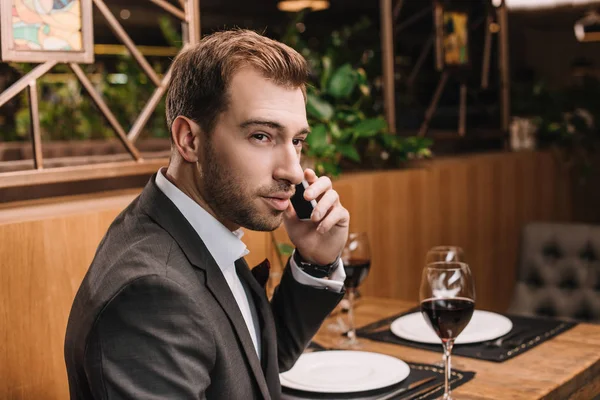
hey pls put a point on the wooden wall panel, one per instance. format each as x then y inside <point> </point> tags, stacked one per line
<point>477,202</point>
<point>43,263</point>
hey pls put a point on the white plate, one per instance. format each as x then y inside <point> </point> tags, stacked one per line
<point>484,325</point>
<point>339,371</point>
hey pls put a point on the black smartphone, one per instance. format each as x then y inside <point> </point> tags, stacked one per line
<point>303,207</point>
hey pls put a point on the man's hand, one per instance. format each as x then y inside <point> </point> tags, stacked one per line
<point>321,239</point>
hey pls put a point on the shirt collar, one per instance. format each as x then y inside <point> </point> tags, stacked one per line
<point>224,245</point>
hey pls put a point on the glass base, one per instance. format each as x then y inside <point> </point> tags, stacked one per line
<point>338,326</point>
<point>348,344</point>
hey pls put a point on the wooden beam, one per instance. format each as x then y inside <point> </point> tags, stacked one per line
<point>80,173</point>
<point>387,54</point>
<point>168,7</point>
<point>487,53</point>
<point>462,115</point>
<point>112,120</point>
<point>149,108</point>
<point>419,63</point>
<point>192,13</point>
<point>413,19</point>
<point>25,80</point>
<point>36,136</point>
<point>122,35</point>
<point>438,20</point>
<point>504,66</point>
<point>433,105</point>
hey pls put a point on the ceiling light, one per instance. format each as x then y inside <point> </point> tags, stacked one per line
<point>587,29</point>
<point>125,13</point>
<point>299,5</point>
<point>540,4</point>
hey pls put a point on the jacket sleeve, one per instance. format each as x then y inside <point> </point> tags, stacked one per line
<point>150,342</point>
<point>299,310</point>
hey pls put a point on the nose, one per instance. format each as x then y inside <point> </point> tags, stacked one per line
<point>288,165</point>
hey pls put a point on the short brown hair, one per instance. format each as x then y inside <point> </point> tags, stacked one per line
<point>201,74</point>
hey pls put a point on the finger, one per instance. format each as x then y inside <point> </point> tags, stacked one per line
<point>310,175</point>
<point>317,188</point>
<point>339,216</point>
<point>326,202</point>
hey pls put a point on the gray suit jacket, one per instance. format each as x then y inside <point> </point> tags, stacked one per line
<point>154,317</point>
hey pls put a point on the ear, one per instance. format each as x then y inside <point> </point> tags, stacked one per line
<point>187,138</point>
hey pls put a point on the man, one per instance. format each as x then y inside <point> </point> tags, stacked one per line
<point>168,308</point>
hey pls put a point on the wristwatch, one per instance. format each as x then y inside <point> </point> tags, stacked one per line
<point>314,270</point>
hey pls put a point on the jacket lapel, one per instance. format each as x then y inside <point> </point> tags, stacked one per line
<point>158,207</point>
<point>217,284</point>
<point>254,279</point>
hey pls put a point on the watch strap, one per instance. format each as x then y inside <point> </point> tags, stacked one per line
<point>314,270</point>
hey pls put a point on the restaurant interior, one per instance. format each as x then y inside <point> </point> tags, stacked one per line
<point>462,136</point>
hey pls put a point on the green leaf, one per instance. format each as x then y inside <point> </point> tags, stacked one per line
<point>349,151</point>
<point>328,168</point>
<point>285,249</point>
<point>389,141</point>
<point>347,135</point>
<point>348,116</point>
<point>334,128</point>
<point>361,76</point>
<point>317,138</point>
<point>369,127</point>
<point>318,107</point>
<point>342,82</point>
<point>169,32</point>
<point>326,72</point>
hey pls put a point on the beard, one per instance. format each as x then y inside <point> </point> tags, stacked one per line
<point>231,199</point>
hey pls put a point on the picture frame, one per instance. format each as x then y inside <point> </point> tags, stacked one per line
<point>46,30</point>
<point>452,36</point>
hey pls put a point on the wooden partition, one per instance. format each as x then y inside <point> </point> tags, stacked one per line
<point>478,202</point>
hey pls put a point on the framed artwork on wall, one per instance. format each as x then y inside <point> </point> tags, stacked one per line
<point>46,30</point>
<point>452,35</point>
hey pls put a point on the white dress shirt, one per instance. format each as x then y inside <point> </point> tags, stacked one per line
<point>226,247</point>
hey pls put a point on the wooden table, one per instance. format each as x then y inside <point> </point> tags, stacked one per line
<point>564,367</point>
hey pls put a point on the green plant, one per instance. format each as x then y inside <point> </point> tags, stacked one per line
<point>346,131</point>
<point>345,128</point>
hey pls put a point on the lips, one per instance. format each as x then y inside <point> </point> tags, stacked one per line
<point>278,201</point>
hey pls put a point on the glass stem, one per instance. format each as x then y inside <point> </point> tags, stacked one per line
<point>352,328</point>
<point>448,345</point>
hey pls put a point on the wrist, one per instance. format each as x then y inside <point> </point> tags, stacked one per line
<point>313,269</point>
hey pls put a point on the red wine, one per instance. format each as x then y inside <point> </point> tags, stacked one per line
<point>448,317</point>
<point>356,272</point>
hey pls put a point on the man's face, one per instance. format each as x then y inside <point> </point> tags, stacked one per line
<point>251,161</point>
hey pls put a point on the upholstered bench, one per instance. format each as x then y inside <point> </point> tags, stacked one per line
<point>559,272</point>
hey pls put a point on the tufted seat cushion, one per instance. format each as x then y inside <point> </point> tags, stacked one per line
<point>559,272</point>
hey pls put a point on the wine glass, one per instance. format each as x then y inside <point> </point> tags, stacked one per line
<point>356,257</point>
<point>447,297</point>
<point>444,253</point>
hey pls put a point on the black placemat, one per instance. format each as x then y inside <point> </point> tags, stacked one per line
<point>527,332</point>
<point>417,373</point>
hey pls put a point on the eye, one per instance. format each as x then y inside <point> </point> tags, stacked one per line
<point>298,142</point>
<point>260,137</point>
